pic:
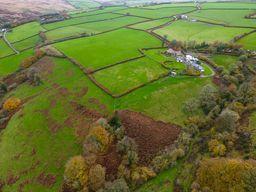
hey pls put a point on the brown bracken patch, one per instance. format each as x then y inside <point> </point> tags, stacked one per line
<point>111,160</point>
<point>12,179</point>
<point>151,136</point>
<point>46,180</point>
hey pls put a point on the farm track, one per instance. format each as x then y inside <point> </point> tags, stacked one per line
<point>9,44</point>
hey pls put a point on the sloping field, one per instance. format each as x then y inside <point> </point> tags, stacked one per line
<point>39,147</point>
<point>224,60</point>
<point>170,94</point>
<point>89,28</point>
<point>164,5</point>
<point>11,64</point>
<point>229,5</point>
<point>24,31</point>
<point>157,13</point>
<point>79,20</point>
<point>226,17</point>
<point>27,43</point>
<point>248,42</point>
<point>200,32</point>
<point>98,11</point>
<point>108,48</point>
<point>121,78</point>
<point>150,24</point>
<point>5,50</point>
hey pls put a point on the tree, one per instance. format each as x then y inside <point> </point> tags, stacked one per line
<point>96,177</point>
<point>118,185</point>
<point>216,148</point>
<point>208,98</point>
<point>227,120</point>
<point>191,106</point>
<point>76,173</point>
<point>165,37</point>
<point>224,174</point>
<point>11,104</point>
<point>126,144</point>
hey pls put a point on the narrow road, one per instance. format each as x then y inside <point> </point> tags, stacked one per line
<point>9,44</point>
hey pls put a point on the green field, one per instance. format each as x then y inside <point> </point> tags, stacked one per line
<point>36,144</point>
<point>27,43</point>
<point>158,13</point>
<point>108,48</point>
<point>122,78</point>
<point>119,50</point>
<point>200,32</point>
<point>11,64</point>
<point>151,24</point>
<point>226,17</point>
<point>5,50</point>
<point>78,20</point>
<point>164,5</point>
<point>90,28</point>
<point>229,5</point>
<point>96,12</point>
<point>248,42</point>
<point>24,31</point>
<point>224,60</point>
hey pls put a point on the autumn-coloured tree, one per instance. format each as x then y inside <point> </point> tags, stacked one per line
<point>96,177</point>
<point>76,173</point>
<point>216,148</point>
<point>11,104</point>
<point>222,175</point>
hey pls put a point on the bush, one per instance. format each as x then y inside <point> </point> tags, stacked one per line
<point>208,98</point>
<point>101,136</point>
<point>140,175</point>
<point>97,177</point>
<point>216,148</point>
<point>76,173</point>
<point>11,104</point>
<point>126,144</point>
<point>227,121</point>
<point>224,175</point>
<point>118,185</point>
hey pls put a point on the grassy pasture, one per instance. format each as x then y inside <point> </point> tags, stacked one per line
<point>150,24</point>
<point>24,31</point>
<point>157,13</point>
<point>5,50</point>
<point>98,11</point>
<point>227,17</point>
<point>170,94</point>
<point>78,20</point>
<point>248,42</point>
<point>164,5</point>
<point>199,32</point>
<point>121,78</point>
<point>29,142</point>
<point>27,43</point>
<point>89,28</point>
<point>224,60</point>
<point>229,5</point>
<point>109,48</point>
<point>11,64</point>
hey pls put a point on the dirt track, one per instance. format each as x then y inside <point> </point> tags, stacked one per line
<point>151,136</point>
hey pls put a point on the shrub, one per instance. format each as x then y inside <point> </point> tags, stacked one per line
<point>97,177</point>
<point>227,121</point>
<point>101,136</point>
<point>11,104</point>
<point>76,173</point>
<point>224,175</point>
<point>118,185</point>
<point>208,98</point>
<point>126,144</point>
<point>217,148</point>
<point>140,175</point>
